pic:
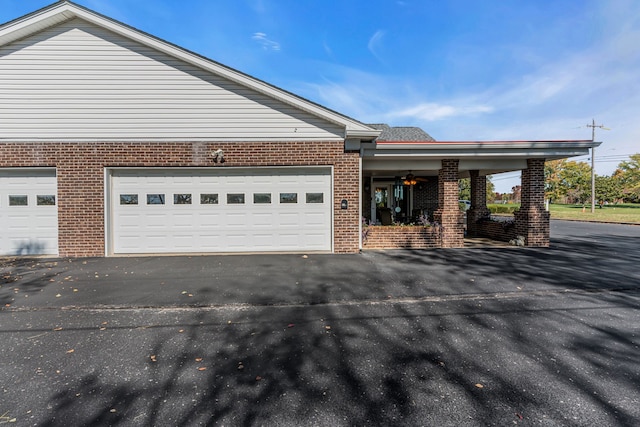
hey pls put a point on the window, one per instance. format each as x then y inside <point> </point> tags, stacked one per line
<point>18,201</point>
<point>46,200</point>
<point>261,198</point>
<point>315,197</point>
<point>209,199</point>
<point>288,197</point>
<point>128,199</point>
<point>155,199</point>
<point>182,199</point>
<point>235,198</point>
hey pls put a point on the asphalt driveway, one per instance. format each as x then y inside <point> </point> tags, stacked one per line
<point>491,336</point>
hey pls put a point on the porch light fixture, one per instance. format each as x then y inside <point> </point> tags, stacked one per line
<point>410,179</point>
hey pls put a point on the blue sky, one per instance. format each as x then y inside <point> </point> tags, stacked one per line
<point>461,70</point>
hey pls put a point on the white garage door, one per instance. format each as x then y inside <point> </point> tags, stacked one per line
<point>223,210</point>
<point>28,212</point>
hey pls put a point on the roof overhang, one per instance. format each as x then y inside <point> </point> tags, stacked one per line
<point>62,11</point>
<point>423,157</point>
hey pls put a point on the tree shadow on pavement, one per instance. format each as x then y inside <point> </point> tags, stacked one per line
<point>26,276</point>
<point>472,362</point>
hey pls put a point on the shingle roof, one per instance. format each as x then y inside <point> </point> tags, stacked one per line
<point>401,133</point>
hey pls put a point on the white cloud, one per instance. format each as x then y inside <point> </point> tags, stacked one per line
<point>429,111</point>
<point>374,44</point>
<point>266,43</point>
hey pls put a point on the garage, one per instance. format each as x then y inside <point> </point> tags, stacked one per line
<point>28,212</point>
<point>194,210</point>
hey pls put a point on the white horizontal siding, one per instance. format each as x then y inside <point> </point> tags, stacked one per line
<point>77,81</point>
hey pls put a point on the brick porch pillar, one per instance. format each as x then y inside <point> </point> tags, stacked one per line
<point>532,220</point>
<point>448,213</point>
<point>478,208</point>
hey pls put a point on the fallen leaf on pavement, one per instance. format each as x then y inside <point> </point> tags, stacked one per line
<point>198,359</point>
<point>479,385</point>
<point>70,351</point>
<point>57,329</point>
<point>202,368</point>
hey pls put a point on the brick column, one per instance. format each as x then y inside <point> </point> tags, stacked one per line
<point>532,220</point>
<point>448,213</point>
<point>478,208</point>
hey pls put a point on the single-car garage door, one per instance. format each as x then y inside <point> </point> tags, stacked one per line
<point>28,212</point>
<point>220,210</point>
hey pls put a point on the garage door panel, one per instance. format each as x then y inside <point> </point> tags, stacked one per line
<point>211,222</point>
<point>27,226</point>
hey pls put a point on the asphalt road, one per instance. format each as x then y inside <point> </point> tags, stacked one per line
<point>463,337</point>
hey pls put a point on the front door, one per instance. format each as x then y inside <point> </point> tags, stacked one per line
<point>391,196</point>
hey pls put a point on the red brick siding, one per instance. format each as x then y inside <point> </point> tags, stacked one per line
<point>532,220</point>
<point>478,208</point>
<point>495,230</point>
<point>80,169</point>
<point>401,237</point>
<point>448,213</point>
<point>425,196</point>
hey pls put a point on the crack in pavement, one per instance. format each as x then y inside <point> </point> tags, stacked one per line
<point>342,303</point>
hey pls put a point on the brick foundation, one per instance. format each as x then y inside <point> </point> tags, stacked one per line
<point>496,230</point>
<point>80,170</point>
<point>401,237</point>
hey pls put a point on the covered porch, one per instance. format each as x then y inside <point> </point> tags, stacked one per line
<point>410,193</point>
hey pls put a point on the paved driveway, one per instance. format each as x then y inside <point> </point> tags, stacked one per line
<point>494,336</point>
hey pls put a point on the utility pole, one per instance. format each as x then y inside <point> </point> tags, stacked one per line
<point>593,127</point>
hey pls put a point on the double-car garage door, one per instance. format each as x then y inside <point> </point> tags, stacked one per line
<point>220,210</point>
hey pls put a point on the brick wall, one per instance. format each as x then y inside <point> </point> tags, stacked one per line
<point>425,196</point>
<point>478,208</point>
<point>401,237</point>
<point>80,170</point>
<point>448,213</point>
<point>495,230</point>
<point>532,220</point>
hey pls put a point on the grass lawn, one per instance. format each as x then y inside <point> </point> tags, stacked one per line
<point>611,213</point>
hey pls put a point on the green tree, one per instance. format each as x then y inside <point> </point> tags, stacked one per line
<point>464,187</point>
<point>554,189</point>
<point>608,188</point>
<point>629,175</point>
<point>491,189</point>
<point>576,179</point>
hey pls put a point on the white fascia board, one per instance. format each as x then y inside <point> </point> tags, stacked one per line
<point>542,150</point>
<point>33,23</point>
<point>64,11</point>
<point>486,145</point>
<point>442,154</point>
